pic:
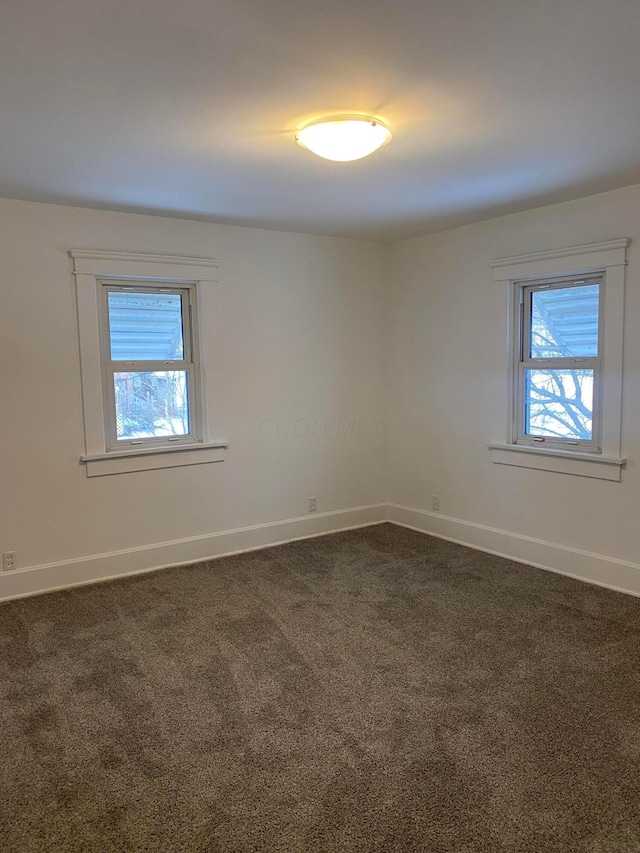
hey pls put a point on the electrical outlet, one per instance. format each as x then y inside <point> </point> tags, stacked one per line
<point>313,504</point>
<point>435,503</point>
<point>9,561</point>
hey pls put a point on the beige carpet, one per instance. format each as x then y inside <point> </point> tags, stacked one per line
<point>377,690</point>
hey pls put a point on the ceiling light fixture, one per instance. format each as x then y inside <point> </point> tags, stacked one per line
<point>345,137</point>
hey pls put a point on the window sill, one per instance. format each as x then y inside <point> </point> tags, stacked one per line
<point>151,458</point>
<point>559,461</point>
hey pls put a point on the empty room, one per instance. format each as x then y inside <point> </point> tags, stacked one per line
<point>320,458</point>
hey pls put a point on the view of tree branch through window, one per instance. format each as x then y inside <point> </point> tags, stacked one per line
<point>151,404</point>
<point>559,403</point>
<point>560,361</point>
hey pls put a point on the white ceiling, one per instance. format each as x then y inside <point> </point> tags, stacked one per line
<point>189,107</point>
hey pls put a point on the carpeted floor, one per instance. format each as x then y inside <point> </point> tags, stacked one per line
<point>376,690</point>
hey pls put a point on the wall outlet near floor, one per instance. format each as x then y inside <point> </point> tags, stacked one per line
<point>313,504</point>
<point>435,503</point>
<point>9,561</point>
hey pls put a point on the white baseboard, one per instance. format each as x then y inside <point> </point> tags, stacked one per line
<point>132,561</point>
<point>609,572</point>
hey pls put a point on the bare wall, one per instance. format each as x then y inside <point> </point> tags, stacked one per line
<point>301,402</point>
<point>325,343</point>
<point>446,394</point>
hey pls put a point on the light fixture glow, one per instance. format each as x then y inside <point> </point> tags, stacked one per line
<point>344,137</point>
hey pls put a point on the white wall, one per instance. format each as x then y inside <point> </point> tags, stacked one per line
<point>302,340</point>
<point>447,381</point>
<point>311,327</point>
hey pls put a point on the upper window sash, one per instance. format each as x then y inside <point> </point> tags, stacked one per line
<point>526,291</point>
<point>186,297</point>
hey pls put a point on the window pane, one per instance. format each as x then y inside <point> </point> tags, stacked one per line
<point>145,326</point>
<point>564,322</point>
<point>150,404</point>
<point>559,403</point>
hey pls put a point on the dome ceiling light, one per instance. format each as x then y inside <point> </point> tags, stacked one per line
<point>344,137</point>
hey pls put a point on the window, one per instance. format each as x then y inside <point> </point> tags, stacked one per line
<point>151,370</point>
<point>564,341</point>
<point>558,397</point>
<point>142,323</point>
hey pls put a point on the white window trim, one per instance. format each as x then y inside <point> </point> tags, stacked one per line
<point>610,259</point>
<point>90,268</point>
